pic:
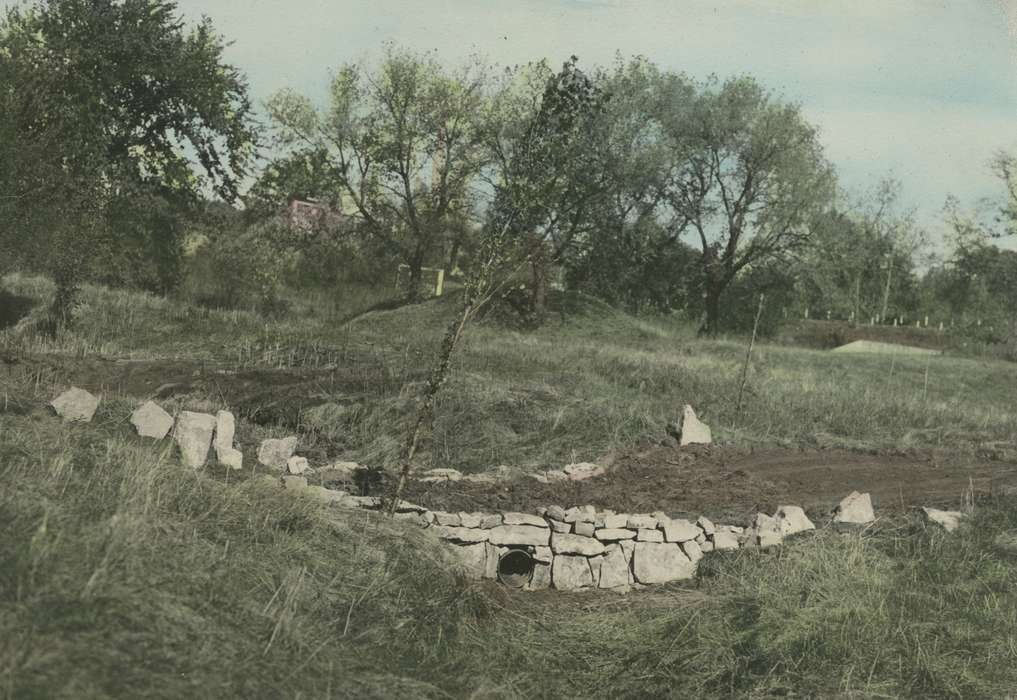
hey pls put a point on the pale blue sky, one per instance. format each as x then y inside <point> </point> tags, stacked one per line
<point>924,88</point>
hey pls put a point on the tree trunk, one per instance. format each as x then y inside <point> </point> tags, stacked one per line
<point>711,326</point>
<point>62,308</point>
<point>538,287</point>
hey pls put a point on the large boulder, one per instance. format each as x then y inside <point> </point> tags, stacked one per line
<point>275,452</point>
<point>855,509</point>
<point>193,433</point>
<point>660,563</point>
<point>570,572</point>
<point>150,420</point>
<point>693,431</point>
<point>75,405</point>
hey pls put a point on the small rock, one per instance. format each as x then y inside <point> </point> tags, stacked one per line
<point>447,519</point>
<point>297,465</point>
<point>75,405</point>
<point>707,546</point>
<point>491,520</point>
<point>791,520</point>
<point>560,527</point>
<point>724,540</point>
<point>692,550</point>
<point>543,554</point>
<point>660,563</point>
<point>470,519</point>
<point>150,420</point>
<point>616,521</point>
<point>541,578</point>
<point>641,522</point>
<point>649,536</point>
<point>949,519</point>
<point>585,529</point>
<point>556,513</point>
<point>586,514</point>
<point>193,434</point>
<point>680,531</point>
<point>595,565</point>
<point>706,525</point>
<point>583,470</point>
<point>576,544</point>
<point>693,430</point>
<point>492,556</point>
<point>519,535</point>
<point>856,508</point>
<point>232,458</point>
<point>275,453</point>
<point>442,475</point>
<point>765,532</point>
<point>571,572</point>
<point>612,534</point>
<point>524,519</point>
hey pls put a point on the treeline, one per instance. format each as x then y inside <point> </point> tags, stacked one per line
<point>645,187</point>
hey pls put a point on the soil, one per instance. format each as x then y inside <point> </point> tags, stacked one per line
<point>733,484</point>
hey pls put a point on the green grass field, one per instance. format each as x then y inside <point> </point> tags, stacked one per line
<point>124,575</point>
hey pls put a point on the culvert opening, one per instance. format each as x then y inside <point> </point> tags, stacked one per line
<point>515,568</point>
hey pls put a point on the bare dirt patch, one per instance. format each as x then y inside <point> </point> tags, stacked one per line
<point>734,484</point>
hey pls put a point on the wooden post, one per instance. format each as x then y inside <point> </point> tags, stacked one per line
<point>439,285</point>
<point>748,354</point>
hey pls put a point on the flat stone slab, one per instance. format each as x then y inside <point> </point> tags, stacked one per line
<point>469,535</point>
<point>524,519</point>
<point>519,535</point>
<point>614,570</point>
<point>792,520</point>
<point>575,544</point>
<point>613,534</point>
<point>75,405</point>
<point>570,572</point>
<point>680,531</point>
<point>150,420</point>
<point>948,519</point>
<point>193,434</point>
<point>694,431</point>
<point>275,452</point>
<point>661,563</point>
<point>581,471</point>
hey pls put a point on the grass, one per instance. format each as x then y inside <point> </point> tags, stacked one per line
<point>590,382</point>
<point>124,575</point>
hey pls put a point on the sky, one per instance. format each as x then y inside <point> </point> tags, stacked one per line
<point>925,90</point>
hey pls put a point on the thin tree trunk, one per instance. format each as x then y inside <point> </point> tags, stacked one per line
<point>748,355</point>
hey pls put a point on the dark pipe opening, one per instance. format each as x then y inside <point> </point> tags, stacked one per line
<point>515,568</point>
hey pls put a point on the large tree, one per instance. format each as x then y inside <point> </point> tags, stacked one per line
<point>402,143</point>
<point>752,176</point>
<point>106,104</point>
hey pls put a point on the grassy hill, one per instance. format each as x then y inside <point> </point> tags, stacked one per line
<point>122,574</point>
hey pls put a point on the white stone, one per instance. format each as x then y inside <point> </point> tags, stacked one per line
<point>694,431</point>
<point>614,570</point>
<point>856,508</point>
<point>571,572</point>
<point>541,578</point>
<point>613,534</point>
<point>519,535</point>
<point>586,514</point>
<point>225,431</point>
<point>584,529</point>
<point>576,544</point>
<point>791,520</point>
<point>555,513</point>
<point>447,519</point>
<point>560,527</point>
<point>470,535</point>
<point>649,536</point>
<point>581,471</point>
<point>680,531</point>
<point>948,519</point>
<point>275,453</point>
<point>641,522</point>
<point>765,531</point>
<point>660,563</point>
<point>150,420</point>
<point>232,458</point>
<point>297,465</point>
<point>470,519</point>
<point>523,519</point>
<point>488,521</point>
<point>441,475</point>
<point>193,434</point>
<point>493,554</point>
<point>75,405</point>
<point>616,521</point>
<point>706,525</point>
<point>692,550</point>
<point>543,554</point>
<point>708,546</point>
<point>724,539</point>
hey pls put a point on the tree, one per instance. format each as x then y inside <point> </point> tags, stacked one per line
<point>751,179</point>
<point>402,144</point>
<point>108,101</point>
<point>544,133</point>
